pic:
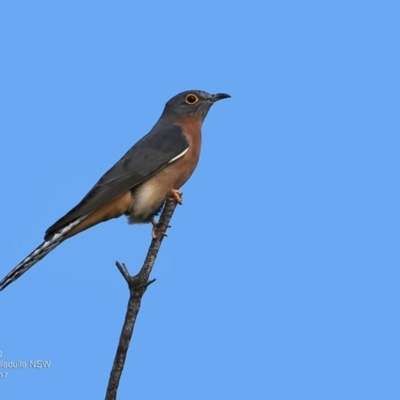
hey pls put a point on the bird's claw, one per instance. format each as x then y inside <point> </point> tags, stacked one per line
<point>154,231</point>
<point>177,195</point>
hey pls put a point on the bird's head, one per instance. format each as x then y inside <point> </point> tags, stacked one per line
<point>192,103</point>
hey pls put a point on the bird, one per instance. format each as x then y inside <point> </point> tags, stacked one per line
<point>137,186</point>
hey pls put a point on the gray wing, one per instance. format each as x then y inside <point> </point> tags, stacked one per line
<point>148,156</point>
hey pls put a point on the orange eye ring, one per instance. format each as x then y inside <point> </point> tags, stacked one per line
<point>191,99</point>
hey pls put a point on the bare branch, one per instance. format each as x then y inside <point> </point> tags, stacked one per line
<point>137,287</point>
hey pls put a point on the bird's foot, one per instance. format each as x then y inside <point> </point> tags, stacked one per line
<point>177,195</point>
<point>154,231</point>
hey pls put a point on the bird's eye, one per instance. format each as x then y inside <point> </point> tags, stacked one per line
<point>191,99</point>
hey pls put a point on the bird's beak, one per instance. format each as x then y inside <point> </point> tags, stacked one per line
<point>219,96</point>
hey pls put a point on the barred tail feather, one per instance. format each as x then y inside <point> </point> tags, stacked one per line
<point>41,251</point>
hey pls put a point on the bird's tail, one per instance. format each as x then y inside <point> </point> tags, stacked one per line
<point>41,251</point>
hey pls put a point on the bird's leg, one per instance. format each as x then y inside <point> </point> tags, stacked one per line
<point>177,195</point>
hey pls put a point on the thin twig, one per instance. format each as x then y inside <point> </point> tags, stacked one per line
<point>137,287</point>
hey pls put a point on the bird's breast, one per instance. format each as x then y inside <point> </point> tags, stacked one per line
<point>149,196</point>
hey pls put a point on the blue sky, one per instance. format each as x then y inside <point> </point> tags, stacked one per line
<point>279,277</point>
